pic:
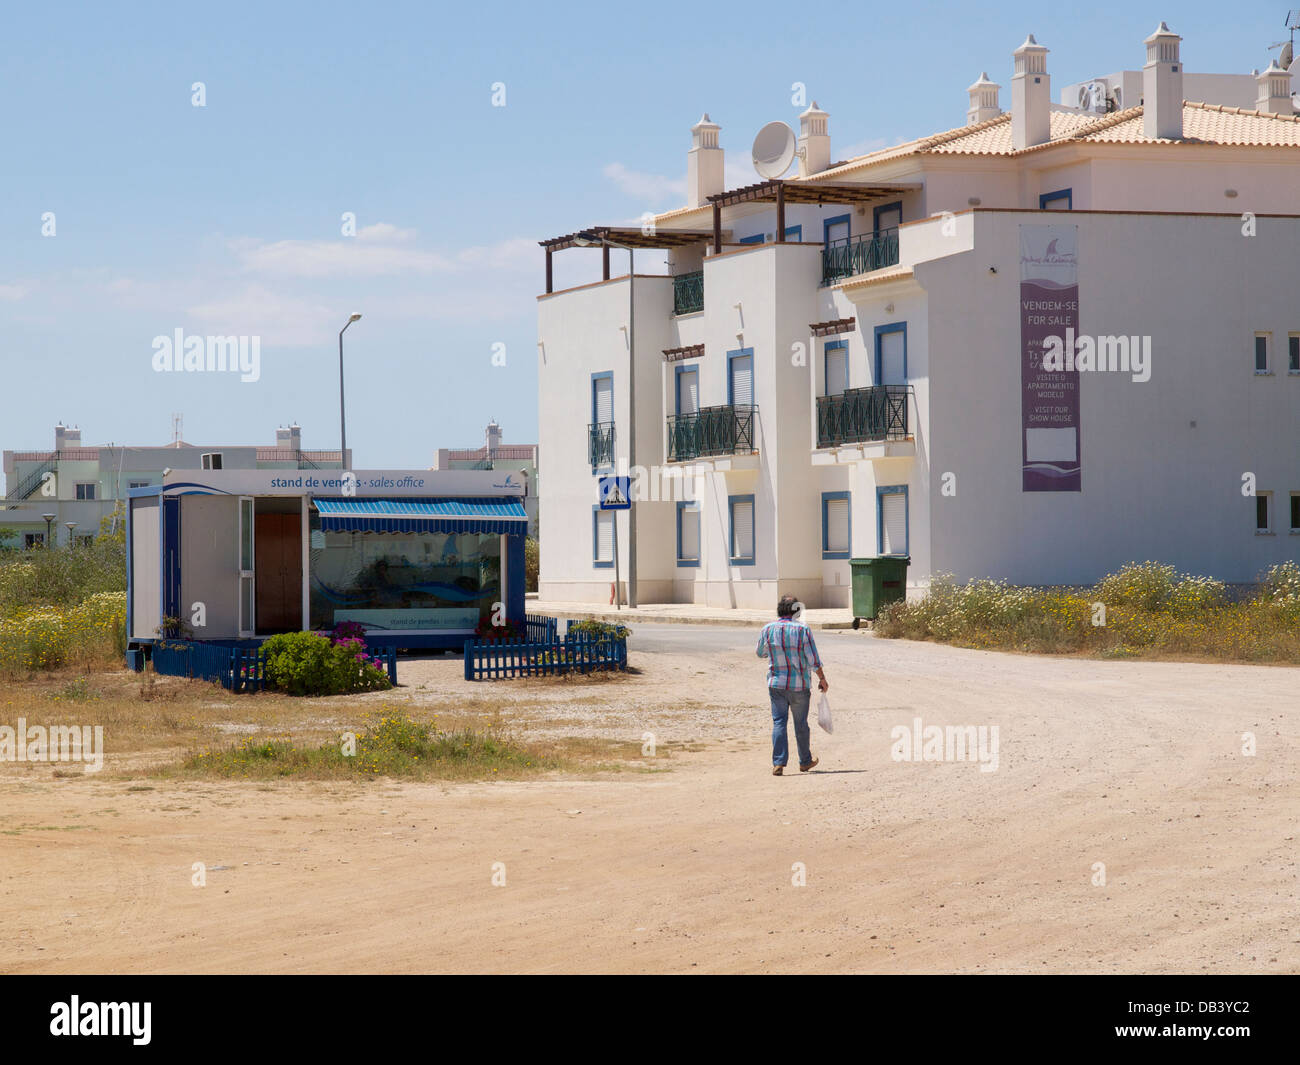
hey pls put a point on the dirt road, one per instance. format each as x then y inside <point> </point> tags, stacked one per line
<point>910,866</point>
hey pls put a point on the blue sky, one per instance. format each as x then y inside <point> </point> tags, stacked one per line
<point>226,219</point>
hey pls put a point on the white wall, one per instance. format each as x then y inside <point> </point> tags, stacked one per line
<point>146,589</point>
<point>1162,461</point>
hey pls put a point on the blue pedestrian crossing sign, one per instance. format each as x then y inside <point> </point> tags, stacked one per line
<point>615,493</point>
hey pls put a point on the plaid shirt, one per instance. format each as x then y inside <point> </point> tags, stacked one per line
<point>789,645</point>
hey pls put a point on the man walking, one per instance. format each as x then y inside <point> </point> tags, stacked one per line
<point>788,646</point>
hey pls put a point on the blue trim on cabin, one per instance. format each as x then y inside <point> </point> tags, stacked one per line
<point>827,553</point>
<point>699,546</point>
<point>893,489</point>
<point>881,330</point>
<point>434,515</point>
<point>757,238</point>
<point>794,233</point>
<point>732,557</point>
<point>1060,194</point>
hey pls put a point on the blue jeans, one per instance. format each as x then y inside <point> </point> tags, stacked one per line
<point>784,704</point>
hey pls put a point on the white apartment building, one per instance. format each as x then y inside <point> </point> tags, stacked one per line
<point>854,361</point>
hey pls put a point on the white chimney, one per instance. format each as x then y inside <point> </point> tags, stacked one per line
<point>983,101</point>
<point>703,163</point>
<point>1162,86</point>
<point>65,437</point>
<point>1274,91</point>
<point>289,437</point>
<point>493,438</point>
<point>814,141</point>
<point>1031,96</point>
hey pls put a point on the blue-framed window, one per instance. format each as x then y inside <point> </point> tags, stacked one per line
<point>835,368</point>
<point>688,534</point>
<point>602,538</point>
<point>757,238</point>
<point>836,228</point>
<point>794,233</point>
<point>1060,200</point>
<point>740,512</point>
<point>892,520</point>
<point>740,377</point>
<point>891,354</point>
<point>887,216</point>
<point>686,390</point>
<point>837,525</point>
<point>601,432</point>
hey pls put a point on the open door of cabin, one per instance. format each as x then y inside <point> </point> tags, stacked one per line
<point>279,572</point>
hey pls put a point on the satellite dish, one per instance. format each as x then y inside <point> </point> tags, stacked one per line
<point>774,150</point>
<point>1285,61</point>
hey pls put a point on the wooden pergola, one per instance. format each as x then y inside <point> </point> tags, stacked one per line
<point>607,237</point>
<point>780,191</point>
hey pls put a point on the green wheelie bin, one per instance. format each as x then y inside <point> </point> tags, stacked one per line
<point>877,580</point>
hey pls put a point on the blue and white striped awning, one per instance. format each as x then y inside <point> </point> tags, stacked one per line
<point>504,515</point>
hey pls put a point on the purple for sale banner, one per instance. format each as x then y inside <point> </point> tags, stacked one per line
<point>1049,399</point>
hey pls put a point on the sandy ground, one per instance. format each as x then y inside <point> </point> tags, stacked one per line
<point>910,866</point>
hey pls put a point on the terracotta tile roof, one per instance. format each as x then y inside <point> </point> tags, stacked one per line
<point>1208,124</point>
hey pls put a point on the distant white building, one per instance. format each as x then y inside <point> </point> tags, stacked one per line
<point>63,493</point>
<point>856,360</point>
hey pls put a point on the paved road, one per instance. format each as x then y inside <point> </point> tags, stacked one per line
<point>833,644</point>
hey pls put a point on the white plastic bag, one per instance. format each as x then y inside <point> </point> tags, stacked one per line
<point>824,714</point>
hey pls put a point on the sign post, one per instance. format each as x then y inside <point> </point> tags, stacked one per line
<point>615,495</point>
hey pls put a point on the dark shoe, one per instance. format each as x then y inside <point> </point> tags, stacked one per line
<point>777,770</point>
<point>805,768</point>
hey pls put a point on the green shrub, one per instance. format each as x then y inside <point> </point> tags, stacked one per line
<point>532,563</point>
<point>1282,582</point>
<point>592,627</point>
<point>306,663</point>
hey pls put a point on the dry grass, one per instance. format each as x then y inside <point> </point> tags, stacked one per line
<point>169,726</point>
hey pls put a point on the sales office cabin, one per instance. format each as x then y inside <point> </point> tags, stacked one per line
<point>419,557</point>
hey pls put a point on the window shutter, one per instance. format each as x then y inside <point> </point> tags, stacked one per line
<point>837,525</point>
<point>742,381</point>
<point>742,530</point>
<point>605,400</point>
<point>892,357</point>
<point>690,534</point>
<point>893,509</point>
<point>836,371</point>
<point>688,392</point>
<point>605,536</point>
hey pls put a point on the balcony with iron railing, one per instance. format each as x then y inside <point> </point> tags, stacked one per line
<point>600,444</point>
<point>728,430</point>
<point>688,292</point>
<point>858,415</point>
<point>847,256</point>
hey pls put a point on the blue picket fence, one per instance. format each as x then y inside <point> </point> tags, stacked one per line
<point>574,653</point>
<point>541,628</point>
<point>240,668</point>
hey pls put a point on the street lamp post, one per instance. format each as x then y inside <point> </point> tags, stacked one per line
<point>49,523</point>
<point>343,423</point>
<point>593,240</point>
<point>70,525</point>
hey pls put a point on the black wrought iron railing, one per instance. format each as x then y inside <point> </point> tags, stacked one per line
<point>600,444</point>
<point>688,293</point>
<point>860,414</point>
<point>847,256</point>
<point>728,430</point>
